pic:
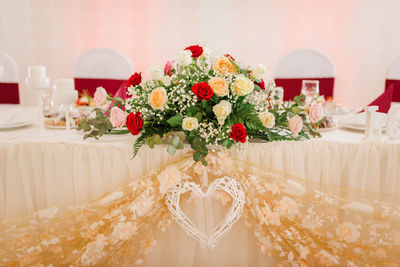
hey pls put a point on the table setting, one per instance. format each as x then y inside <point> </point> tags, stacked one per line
<point>204,163</point>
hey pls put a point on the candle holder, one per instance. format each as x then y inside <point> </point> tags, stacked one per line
<point>38,82</point>
<point>392,124</point>
<point>372,133</point>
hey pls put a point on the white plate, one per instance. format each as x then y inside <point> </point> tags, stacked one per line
<point>59,127</point>
<point>15,125</point>
<point>321,130</point>
<point>352,126</point>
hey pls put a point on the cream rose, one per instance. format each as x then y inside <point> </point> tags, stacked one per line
<point>295,124</point>
<point>166,80</point>
<point>190,123</point>
<point>184,57</point>
<point>117,117</point>
<point>267,119</point>
<point>156,72</point>
<point>316,112</point>
<point>223,65</point>
<point>259,72</point>
<point>219,86</point>
<point>243,86</point>
<point>222,110</point>
<point>157,98</point>
<point>100,96</point>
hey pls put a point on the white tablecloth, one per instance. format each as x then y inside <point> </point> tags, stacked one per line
<point>36,173</point>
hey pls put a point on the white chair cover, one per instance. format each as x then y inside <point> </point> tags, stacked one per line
<point>103,63</point>
<point>305,63</point>
<point>8,69</point>
<point>393,70</point>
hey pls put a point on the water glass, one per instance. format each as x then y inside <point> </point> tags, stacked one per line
<point>310,89</point>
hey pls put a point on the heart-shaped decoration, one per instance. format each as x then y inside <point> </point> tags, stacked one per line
<point>227,184</point>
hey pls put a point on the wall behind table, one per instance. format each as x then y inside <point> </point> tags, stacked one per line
<point>361,36</point>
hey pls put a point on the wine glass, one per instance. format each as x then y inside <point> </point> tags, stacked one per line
<point>310,89</point>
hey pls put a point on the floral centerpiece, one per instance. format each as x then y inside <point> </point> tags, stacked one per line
<point>205,99</point>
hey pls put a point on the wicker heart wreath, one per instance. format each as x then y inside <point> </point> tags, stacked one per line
<point>227,184</point>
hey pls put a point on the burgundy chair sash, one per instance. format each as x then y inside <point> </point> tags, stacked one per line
<point>396,89</point>
<point>9,93</point>
<point>90,85</point>
<point>292,86</point>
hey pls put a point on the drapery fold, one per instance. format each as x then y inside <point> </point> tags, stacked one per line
<point>52,173</point>
<point>294,221</point>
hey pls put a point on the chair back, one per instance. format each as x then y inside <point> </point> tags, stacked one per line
<point>305,64</point>
<point>9,90</point>
<point>101,67</point>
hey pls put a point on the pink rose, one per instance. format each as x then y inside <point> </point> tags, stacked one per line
<point>295,124</point>
<point>100,96</point>
<point>117,117</point>
<point>168,68</point>
<point>316,112</point>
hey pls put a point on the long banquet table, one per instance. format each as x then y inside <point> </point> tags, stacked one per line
<point>37,173</point>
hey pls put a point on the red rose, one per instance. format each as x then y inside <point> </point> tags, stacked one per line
<point>134,123</point>
<point>196,50</point>
<point>229,56</point>
<point>260,84</point>
<point>202,91</point>
<point>238,133</point>
<point>134,80</point>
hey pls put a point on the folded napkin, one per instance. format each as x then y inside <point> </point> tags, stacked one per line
<point>121,91</point>
<point>358,120</point>
<point>12,115</point>
<point>384,100</point>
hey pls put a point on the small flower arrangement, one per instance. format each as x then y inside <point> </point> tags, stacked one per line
<point>203,99</point>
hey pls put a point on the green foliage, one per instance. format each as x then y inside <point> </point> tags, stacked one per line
<point>175,121</point>
<point>97,126</point>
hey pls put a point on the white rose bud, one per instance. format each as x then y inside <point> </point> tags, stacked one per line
<point>156,72</point>
<point>222,110</point>
<point>260,72</point>
<point>184,57</point>
<point>166,80</point>
<point>267,119</point>
<point>190,123</point>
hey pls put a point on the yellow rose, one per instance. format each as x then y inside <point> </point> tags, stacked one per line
<point>222,110</point>
<point>267,119</point>
<point>190,123</point>
<point>243,85</point>
<point>157,98</point>
<point>219,86</point>
<point>223,66</point>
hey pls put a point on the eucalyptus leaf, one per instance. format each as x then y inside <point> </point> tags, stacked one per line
<point>171,150</point>
<point>196,156</point>
<point>85,126</point>
<point>175,141</point>
<point>204,161</point>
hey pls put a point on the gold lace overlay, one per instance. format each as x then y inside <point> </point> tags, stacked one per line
<point>295,221</point>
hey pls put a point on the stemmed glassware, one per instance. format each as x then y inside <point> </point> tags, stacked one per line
<point>310,89</point>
